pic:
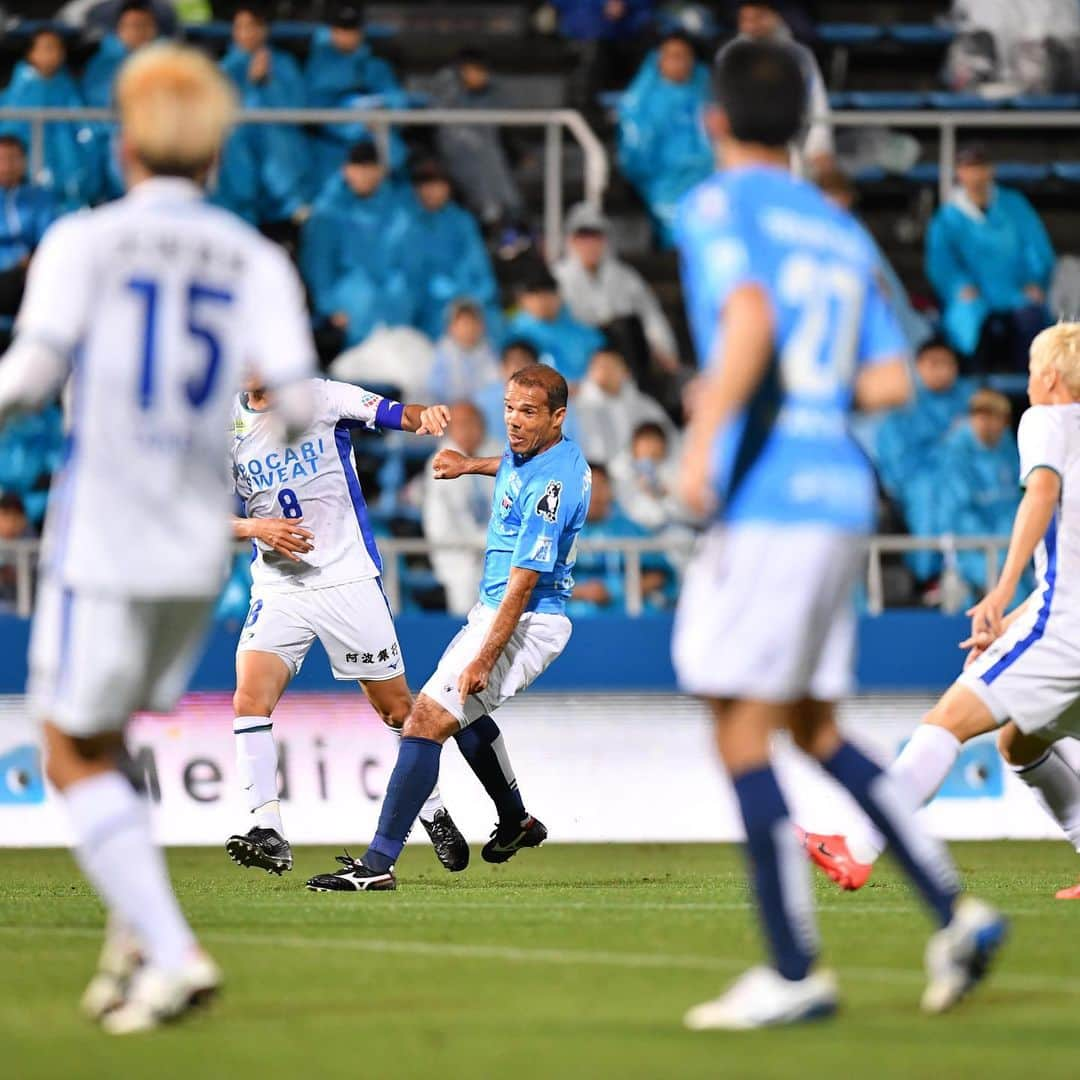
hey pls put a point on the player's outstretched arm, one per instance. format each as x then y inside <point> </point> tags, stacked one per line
<point>1033,518</point>
<point>425,419</point>
<point>31,375</point>
<point>516,598</point>
<point>286,536</point>
<point>885,385</point>
<point>450,464</point>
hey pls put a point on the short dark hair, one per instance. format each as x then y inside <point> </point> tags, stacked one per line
<point>12,501</point>
<point>13,141</point>
<point>472,54</point>
<point>547,379</point>
<point>936,341</point>
<point>347,16</point>
<point>762,89</point>
<point>681,36</point>
<point>521,345</point>
<point>257,9</point>
<point>136,5</point>
<point>363,152</point>
<point>649,427</point>
<point>598,468</point>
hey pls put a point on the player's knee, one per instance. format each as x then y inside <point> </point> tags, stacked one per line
<point>248,703</point>
<point>429,721</point>
<point>394,714</point>
<point>1018,749</point>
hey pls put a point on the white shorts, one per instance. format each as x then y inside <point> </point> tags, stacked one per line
<point>1031,674</point>
<point>95,659</point>
<point>767,614</point>
<point>538,639</point>
<point>353,622</point>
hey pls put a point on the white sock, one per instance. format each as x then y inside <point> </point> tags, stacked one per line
<point>256,764</point>
<point>1057,788</point>
<point>434,800</point>
<point>116,852</point>
<point>918,773</point>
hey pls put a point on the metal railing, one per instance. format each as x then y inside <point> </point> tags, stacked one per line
<point>553,121</point>
<point>948,122</point>
<point>23,555</point>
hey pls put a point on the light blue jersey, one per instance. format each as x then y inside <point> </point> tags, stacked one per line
<point>538,509</point>
<point>789,458</point>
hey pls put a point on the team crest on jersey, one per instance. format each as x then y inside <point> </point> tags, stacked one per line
<point>240,427</point>
<point>548,506</point>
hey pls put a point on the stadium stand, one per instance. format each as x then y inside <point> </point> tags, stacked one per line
<point>405,263</point>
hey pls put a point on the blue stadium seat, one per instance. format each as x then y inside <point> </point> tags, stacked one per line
<point>1045,101</point>
<point>850,34</point>
<point>1021,172</point>
<point>887,99</point>
<point>945,99</point>
<point>870,174</point>
<point>924,172</point>
<point>926,35</point>
<point>609,99</point>
<point>1069,171</point>
<point>217,32</point>
<point>839,99</point>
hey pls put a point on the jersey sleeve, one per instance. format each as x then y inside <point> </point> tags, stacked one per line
<point>59,287</point>
<point>547,504</point>
<point>881,336</point>
<point>281,349</point>
<point>349,402</point>
<point>1041,439</point>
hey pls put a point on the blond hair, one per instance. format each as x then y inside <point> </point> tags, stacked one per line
<point>175,109</point>
<point>1059,347</point>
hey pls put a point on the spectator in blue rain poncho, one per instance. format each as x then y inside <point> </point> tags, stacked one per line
<point>264,168</point>
<point>988,253</point>
<point>448,258</point>
<point>545,322</point>
<point>663,148</point>
<point>910,442</point>
<point>26,211</point>
<point>353,249</point>
<point>136,26</point>
<point>43,80</point>
<point>343,73</point>
<point>31,450</point>
<point>979,474</point>
<point>465,364</point>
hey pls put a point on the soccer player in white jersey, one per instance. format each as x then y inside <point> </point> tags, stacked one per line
<point>153,305</point>
<point>316,574</point>
<point>788,316</point>
<point>1023,669</point>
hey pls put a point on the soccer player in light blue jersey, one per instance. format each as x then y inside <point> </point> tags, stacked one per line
<point>515,631</point>
<point>794,332</point>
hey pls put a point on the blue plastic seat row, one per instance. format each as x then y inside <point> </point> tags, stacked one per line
<point>1008,172</point>
<point>284,32</point>
<point>916,35</point>
<point>944,99</point>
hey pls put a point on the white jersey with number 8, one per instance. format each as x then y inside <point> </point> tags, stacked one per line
<point>163,302</point>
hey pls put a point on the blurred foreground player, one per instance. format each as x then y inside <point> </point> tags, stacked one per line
<point>316,573</point>
<point>152,305</point>
<point>515,631</point>
<point>1023,670</point>
<point>786,312</point>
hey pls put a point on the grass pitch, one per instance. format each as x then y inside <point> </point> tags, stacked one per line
<point>566,962</point>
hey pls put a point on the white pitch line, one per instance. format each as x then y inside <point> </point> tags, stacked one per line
<point>568,957</point>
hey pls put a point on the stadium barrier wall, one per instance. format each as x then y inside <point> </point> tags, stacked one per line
<point>608,753</point>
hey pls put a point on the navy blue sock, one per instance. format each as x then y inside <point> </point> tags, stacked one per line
<point>924,859</point>
<point>414,775</point>
<point>781,874</point>
<point>482,746</point>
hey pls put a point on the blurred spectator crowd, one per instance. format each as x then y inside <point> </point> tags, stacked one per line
<point>426,278</point>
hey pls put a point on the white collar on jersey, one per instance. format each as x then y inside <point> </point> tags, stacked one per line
<point>166,188</point>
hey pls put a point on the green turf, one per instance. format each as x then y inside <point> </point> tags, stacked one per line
<point>566,962</point>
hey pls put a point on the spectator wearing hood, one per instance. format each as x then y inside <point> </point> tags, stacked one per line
<point>978,470</point>
<point>663,149</point>
<point>353,249</point>
<point>42,80</point>
<point>545,322</point>
<point>342,72</point>
<point>603,291</point>
<point>264,168</point>
<point>987,253</point>
<point>447,254</point>
<point>474,153</point>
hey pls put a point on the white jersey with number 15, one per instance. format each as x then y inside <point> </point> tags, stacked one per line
<point>163,303</point>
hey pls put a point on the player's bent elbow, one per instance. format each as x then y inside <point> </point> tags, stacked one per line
<point>884,386</point>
